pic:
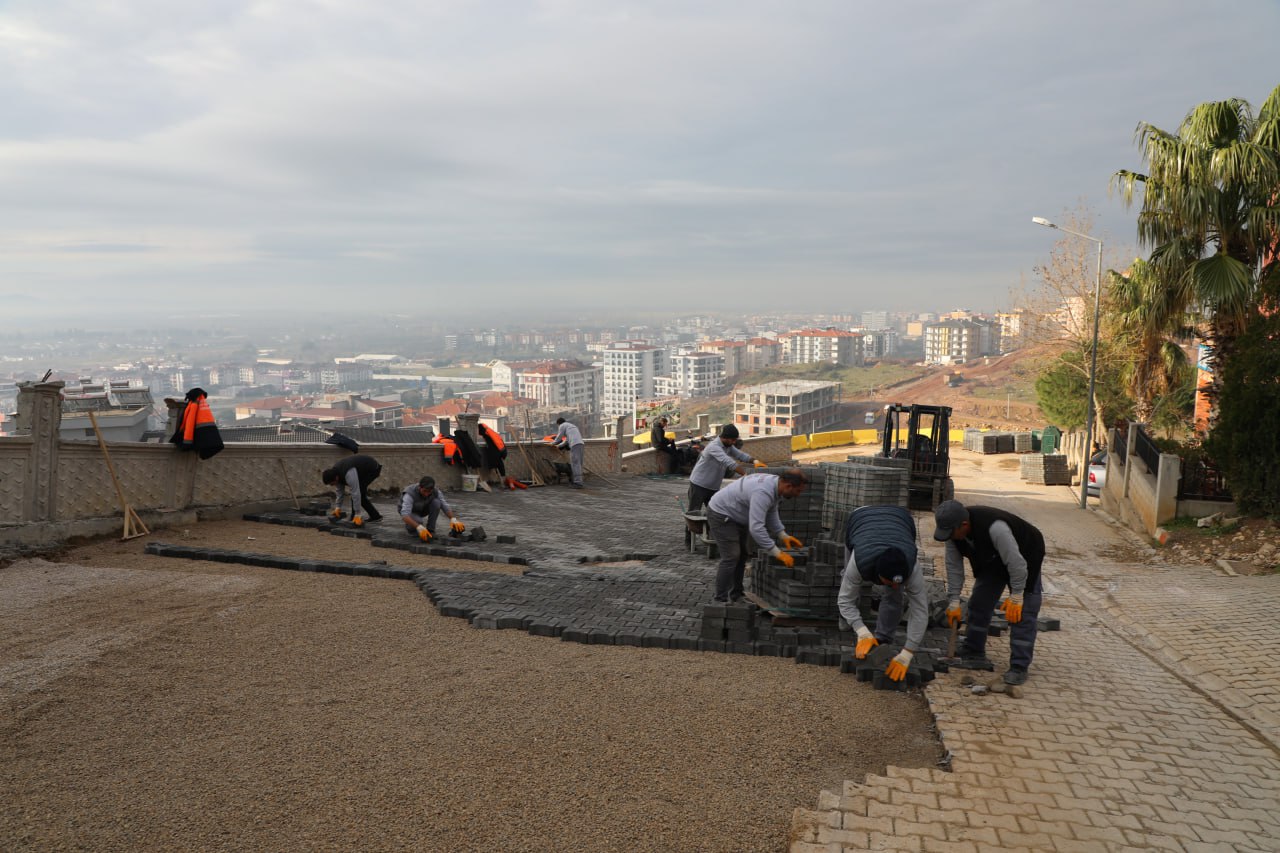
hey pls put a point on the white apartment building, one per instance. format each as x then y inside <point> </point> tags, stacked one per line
<point>805,346</point>
<point>957,341</point>
<point>879,343</point>
<point>562,385</point>
<point>631,369</point>
<point>692,374</point>
<point>786,408</point>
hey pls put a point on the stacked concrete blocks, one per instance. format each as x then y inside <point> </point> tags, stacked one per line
<point>1046,469</point>
<point>849,485</point>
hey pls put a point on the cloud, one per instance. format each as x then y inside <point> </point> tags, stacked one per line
<point>832,154</point>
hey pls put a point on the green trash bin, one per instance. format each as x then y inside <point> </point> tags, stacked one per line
<point>1035,441</point>
<point>1050,439</point>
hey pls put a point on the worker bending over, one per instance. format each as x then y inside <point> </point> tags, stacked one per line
<point>881,541</point>
<point>567,435</point>
<point>749,508</point>
<point>354,474</point>
<point>1004,551</point>
<point>714,464</point>
<point>421,504</point>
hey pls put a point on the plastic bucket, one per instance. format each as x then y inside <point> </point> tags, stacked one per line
<point>469,482</point>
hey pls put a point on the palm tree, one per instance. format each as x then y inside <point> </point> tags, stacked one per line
<point>1150,317</point>
<point>1210,212</point>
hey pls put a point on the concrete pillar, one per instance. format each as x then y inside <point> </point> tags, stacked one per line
<point>615,452</point>
<point>39,415</point>
<point>467,422</point>
<point>1167,478</point>
<point>176,408</point>
<point>704,424</point>
<point>1131,443</point>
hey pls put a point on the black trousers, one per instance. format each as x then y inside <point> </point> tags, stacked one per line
<point>365,481</point>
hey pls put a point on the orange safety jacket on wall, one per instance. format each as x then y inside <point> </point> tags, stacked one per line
<point>450,448</point>
<point>197,430</point>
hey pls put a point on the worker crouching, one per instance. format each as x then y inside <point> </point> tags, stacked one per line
<point>420,506</point>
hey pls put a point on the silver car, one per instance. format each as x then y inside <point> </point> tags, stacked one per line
<point>1097,473</point>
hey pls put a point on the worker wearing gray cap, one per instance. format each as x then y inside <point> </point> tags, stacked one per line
<point>1004,551</point>
<point>881,542</point>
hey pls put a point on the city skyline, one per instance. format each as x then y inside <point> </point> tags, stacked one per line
<point>415,159</point>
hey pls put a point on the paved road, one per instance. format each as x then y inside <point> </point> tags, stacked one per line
<point>1150,722</point>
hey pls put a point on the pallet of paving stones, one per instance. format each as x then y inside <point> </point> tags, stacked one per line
<point>1046,469</point>
<point>1022,442</point>
<point>851,485</point>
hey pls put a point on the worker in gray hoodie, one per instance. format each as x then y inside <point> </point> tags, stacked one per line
<point>715,462</point>
<point>748,509</point>
<point>881,543</point>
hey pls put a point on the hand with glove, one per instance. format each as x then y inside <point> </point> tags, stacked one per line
<point>423,533</point>
<point>897,668</point>
<point>336,512</point>
<point>785,558</point>
<point>456,525</point>
<point>758,464</point>
<point>953,614</point>
<point>790,542</point>
<point>866,642</point>
<point>1013,609</point>
<point>358,521</point>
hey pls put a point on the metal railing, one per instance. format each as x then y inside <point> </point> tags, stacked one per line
<point>1120,445</point>
<point>1147,450</point>
<point>1202,481</point>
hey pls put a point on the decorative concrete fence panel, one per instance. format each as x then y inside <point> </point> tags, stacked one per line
<point>84,488</point>
<point>15,454</point>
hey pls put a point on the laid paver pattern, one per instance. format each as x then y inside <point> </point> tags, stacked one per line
<point>1149,722</point>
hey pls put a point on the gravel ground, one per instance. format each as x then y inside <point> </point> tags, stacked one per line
<point>151,703</point>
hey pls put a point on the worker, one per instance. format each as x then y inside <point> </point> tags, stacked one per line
<point>355,474</point>
<point>749,508</point>
<point>421,504</point>
<point>664,446</point>
<point>567,435</point>
<point>881,542</point>
<point>715,462</point>
<point>1003,551</point>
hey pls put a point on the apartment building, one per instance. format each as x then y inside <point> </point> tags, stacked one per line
<point>806,346</point>
<point>786,408</point>
<point>692,374</point>
<point>631,369</point>
<point>564,384</point>
<point>958,341</point>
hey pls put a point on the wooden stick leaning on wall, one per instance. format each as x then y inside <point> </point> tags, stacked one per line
<point>287,482</point>
<point>133,526</point>
<point>534,479</point>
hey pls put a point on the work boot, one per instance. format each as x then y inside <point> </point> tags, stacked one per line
<point>1015,676</point>
<point>969,660</point>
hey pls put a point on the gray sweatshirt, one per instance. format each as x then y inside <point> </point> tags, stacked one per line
<point>913,588</point>
<point>1006,545</point>
<point>753,503</point>
<point>714,463</point>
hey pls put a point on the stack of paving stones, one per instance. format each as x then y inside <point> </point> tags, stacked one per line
<point>1046,469</point>
<point>1022,442</point>
<point>809,588</point>
<point>851,485</point>
<point>801,516</point>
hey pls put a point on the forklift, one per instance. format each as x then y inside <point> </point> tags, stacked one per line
<point>920,434</point>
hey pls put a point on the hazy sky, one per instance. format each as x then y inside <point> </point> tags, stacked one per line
<point>388,155</point>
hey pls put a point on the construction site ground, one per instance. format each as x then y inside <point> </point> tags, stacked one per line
<point>158,703</point>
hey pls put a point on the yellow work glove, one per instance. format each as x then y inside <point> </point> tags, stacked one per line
<point>786,559</point>
<point>423,533</point>
<point>457,526</point>
<point>358,521</point>
<point>791,542</point>
<point>1013,609</point>
<point>953,614</point>
<point>759,464</point>
<point>897,668</point>
<point>866,642</point>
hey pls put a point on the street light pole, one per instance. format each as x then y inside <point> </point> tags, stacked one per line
<point>1093,361</point>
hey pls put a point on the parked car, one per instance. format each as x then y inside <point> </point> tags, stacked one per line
<point>1097,473</point>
